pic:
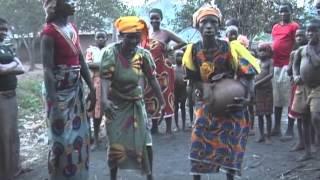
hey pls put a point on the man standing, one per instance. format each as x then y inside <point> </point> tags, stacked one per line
<point>93,58</point>
<point>283,34</point>
<point>10,66</point>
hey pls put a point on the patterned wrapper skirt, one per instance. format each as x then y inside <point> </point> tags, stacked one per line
<point>217,142</point>
<point>69,135</point>
<point>165,76</point>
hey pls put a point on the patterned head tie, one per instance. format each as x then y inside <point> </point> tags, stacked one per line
<point>133,24</point>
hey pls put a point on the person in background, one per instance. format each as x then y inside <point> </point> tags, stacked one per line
<point>93,59</point>
<point>64,69</point>
<point>180,90</point>
<point>263,89</point>
<point>301,40</point>
<point>283,35</point>
<point>241,38</point>
<point>243,56</point>
<point>10,67</point>
<point>158,46</point>
<point>306,65</point>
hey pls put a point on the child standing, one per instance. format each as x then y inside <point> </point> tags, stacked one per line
<point>180,91</point>
<point>263,89</point>
<point>301,40</point>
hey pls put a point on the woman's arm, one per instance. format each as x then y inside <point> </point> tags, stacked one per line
<point>85,73</point>
<point>47,56</point>
<point>173,37</point>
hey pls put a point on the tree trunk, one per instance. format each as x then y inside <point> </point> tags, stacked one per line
<point>29,44</point>
<point>114,34</point>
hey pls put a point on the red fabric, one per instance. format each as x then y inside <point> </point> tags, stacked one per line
<point>63,53</point>
<point>283,41</point>
<point>165,76</point>
<point>292,113</point>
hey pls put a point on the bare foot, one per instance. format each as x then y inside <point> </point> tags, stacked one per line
<point>260,139</point>
<point>286,138</point>
<point>149,177</point>
<point>22,171</point>
<point>276,132</point>
<point>268,141</point>
<point>305,157</point>
<point>297,147</point>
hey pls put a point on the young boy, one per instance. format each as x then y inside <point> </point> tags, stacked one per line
<point>301,40</point>
<point>93,58</point>
<point>180,91</point>
<point>263,89</point>
<point>305,74</point>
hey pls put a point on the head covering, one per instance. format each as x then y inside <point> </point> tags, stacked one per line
<point>204,11</point>
<point>133,24</point>
<point>49,8</point>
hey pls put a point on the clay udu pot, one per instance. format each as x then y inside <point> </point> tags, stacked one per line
<point>222,93</point>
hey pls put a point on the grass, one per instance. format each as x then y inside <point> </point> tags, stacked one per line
<point>29,97</point>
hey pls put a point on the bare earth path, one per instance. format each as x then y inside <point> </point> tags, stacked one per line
<point>262,162</point>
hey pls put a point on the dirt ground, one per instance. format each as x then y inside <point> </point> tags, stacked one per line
<point>262,162</point>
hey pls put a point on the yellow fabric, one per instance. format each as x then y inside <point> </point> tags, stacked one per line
<point>206,11</point>
<point>133,24</point>
<point>239,51</point>
<point>187,60</point>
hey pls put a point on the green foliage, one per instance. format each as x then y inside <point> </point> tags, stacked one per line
<point>254,15</point>
<point>92,14</point>
<point>27,16</point>
<point>184,15</point>
<point>29,96</point>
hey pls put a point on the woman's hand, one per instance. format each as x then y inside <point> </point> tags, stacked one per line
<point>108,108</point>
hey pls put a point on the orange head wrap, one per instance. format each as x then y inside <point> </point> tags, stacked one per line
<point>133,24</point>
<point>204,11</point>
<point>49,8</point>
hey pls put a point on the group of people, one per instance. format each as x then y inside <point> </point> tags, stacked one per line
<point>134,85</point>
<point>289,76</point>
